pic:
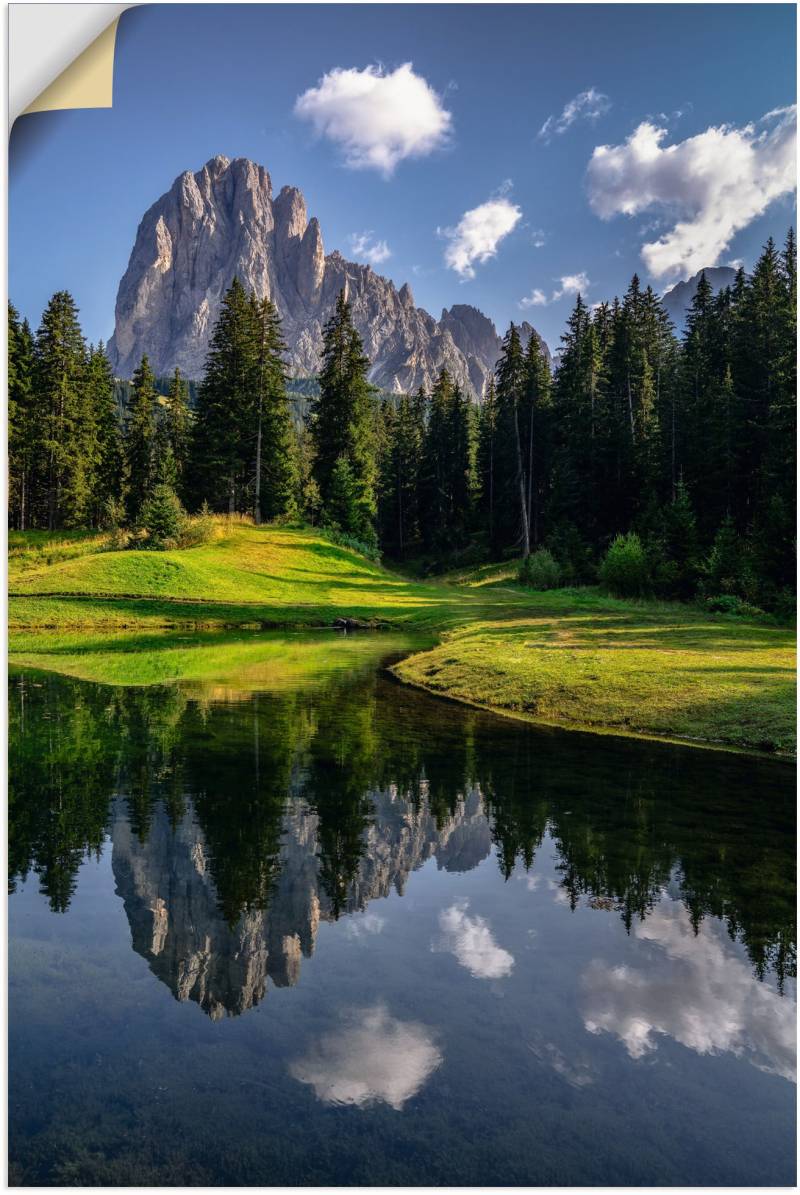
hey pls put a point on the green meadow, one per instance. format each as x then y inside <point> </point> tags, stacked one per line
<point>572,658</point>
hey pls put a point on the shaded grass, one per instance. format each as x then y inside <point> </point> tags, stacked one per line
<point>569,657</point>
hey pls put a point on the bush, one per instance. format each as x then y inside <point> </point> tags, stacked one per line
<point>729,603</point>
<point>625,572</point>
<point>200,529</point>
<point>343,540</point>
<point>540,571</point>
<point>163,518</point>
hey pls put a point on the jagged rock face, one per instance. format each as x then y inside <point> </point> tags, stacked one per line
<point>170,898</point>
<point>223,222</point>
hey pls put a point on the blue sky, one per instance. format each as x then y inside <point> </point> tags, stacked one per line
<point>192,81</point>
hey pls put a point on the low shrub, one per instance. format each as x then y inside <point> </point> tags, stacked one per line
<point>540,571</point>
<point>729,603</point>
<point>343,540</point>
<point>625,571</point>
<point>199,529</point>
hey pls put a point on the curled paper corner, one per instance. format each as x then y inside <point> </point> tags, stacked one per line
<point>88,82</point>
<point>61,56</point>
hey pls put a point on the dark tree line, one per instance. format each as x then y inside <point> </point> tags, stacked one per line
<point>685,447</point>
<point>672,458</point>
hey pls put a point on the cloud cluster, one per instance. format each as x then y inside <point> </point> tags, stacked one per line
<point>366,248</point>
<point>374,1057</point>
<point>471,940</point>
<point>478,233</point>
<point>378,117</point>
<point>695,990</point>
<point>586,105</point>
<point>569,284</point>
<point>712,185</point>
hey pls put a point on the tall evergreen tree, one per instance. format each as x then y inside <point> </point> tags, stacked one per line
<point>109,460</point>
<point>143,468</point>
<point>22,426</point>
<point>342,420</point>
<point>59,382</point>
<point>223,434</point>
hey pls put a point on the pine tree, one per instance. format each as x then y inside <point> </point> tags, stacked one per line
<point>399,476</point>
<point>434,498</point>
<point>22,426</point>
<point>176,418</point>
<point>276,463</point>
<point>680,544</point>
<point>224,431</point>
<point>143,467</point>
<point>536,420</point>
<point>512,525</point>
<point>342,421</point>
<point>485,460</point>
<point>59,384</point>
<point>109,463</point>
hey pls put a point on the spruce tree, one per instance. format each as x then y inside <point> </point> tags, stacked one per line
<point>512,526</point>
<point>60,400</point>
<point>109,465</point>
<point>342,421</point>
<point>224,431</point>
<point>23,432</point>
<point>142,463</point>
<point>276,463</point>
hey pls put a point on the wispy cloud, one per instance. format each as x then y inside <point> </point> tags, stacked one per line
<point>569,284</point>
<point>716,183</point>
<point>586,105</point>
<point>377,117</point>
<point>478,233</point>
<point>366,248</point>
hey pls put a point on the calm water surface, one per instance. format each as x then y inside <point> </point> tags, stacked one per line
<point>333,931</point>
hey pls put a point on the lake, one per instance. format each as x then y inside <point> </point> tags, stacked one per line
<point>293,923</point>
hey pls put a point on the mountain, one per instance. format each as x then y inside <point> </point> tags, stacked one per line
<point>222,222</point>
<point>172,905</point>
<point>679,297</point>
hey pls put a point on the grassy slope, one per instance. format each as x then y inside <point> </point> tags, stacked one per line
<point>249,575</point>
<point>568,658</point>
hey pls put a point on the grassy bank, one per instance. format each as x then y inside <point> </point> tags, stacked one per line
<point>569,658</point>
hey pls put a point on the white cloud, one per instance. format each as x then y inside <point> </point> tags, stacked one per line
<point>373,1057</point>
<point>366,248</point>
<point>569,284</point>
<point>586,105</point>
<point>471,941</point>
<point>478,233</point>
<point>539,238</point>
<point>698,991</point>
<point>711,185</point>
<point>378,117</point>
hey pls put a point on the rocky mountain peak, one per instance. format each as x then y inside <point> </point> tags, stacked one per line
<point>223,222</point>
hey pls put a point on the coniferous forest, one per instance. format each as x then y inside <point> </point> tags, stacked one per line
<point>655,465</point>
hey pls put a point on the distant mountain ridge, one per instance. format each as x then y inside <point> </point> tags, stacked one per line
<point>679,297</point>
<point>223,222</point>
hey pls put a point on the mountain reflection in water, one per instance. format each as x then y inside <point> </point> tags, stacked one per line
<point>238,826</point>
<point>408,942</point>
